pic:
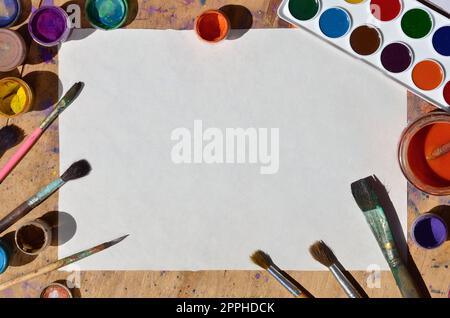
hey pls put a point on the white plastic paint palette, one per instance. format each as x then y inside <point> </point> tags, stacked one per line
<point>403,38</point>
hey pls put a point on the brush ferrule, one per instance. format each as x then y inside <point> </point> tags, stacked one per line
<point>45,192</point>
<point>344,282</point>
<point>294,290</point>
<point>60,107</point>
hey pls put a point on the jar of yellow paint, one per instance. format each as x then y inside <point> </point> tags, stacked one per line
<point>16,97</point>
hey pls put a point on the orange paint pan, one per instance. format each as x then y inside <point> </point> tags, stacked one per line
<point>212,26</point>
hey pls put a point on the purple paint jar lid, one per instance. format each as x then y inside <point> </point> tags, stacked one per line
<point>49,25</point>
<point>429,231</point>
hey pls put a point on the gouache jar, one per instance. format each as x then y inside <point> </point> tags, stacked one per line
<point>13,50</point>
<point>49,26</point>
<point>429,231</point>
<point>106,14</point>
<point>9,13</point>
<point>424,153</point>
<point>56,290</point>
<point>5,254</point>
<point>33,237</point>
<point>212,26</point>
<point>16,97</point>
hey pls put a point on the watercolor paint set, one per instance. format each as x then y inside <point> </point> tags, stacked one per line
<point>403,38</point>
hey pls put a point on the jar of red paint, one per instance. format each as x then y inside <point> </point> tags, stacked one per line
<point>424,153</point>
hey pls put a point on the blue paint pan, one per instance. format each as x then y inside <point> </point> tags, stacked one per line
<point>9,12</point>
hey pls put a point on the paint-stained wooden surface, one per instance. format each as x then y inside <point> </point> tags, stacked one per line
<point>42,165</point>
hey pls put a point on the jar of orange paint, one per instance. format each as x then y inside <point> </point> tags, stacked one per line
<point>212,26</point>
<point>424,153</point>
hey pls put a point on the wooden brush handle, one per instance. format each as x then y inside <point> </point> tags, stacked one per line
<point>14,216</point>
<point>405,282</point>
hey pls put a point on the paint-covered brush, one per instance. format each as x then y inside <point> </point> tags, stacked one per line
<point>439,152</point>
<point>77,170</point>
<point>264,261</point>
<point>10,136</point>
<point>367,199</point>
<point>61,263</point>
<point>325,256</point>
<point>29,142</point>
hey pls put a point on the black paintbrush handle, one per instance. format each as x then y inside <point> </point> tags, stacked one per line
<point>14,216</point>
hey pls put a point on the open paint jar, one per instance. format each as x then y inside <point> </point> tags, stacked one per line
<point>106,14</point>
<point>56,290</point>
<point>9,12</point>
<point>16,97</point>
<point>5,252</point>
<point>49,25</point>
<point>34,237</point>
<point>13,50</point>
<point>424,153</point>
<point>429,231</point>
<point>212,26</point>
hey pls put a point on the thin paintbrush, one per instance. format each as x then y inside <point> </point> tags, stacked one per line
<point>34,137</point>
<point>61,263</point>
<point>264,261</point>
<point>367,199</point>
<point>77,170</point>
<point>10,136</point>
<point>325,256</point>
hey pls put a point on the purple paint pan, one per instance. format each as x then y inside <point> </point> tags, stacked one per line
<point>49,25</point>
<point>429,231</point>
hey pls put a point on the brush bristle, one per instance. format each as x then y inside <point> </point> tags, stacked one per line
<point>77,170</point>
<point>322,253</point>
<point>10,136</point>
<point>261,259</point>
<point>364,193</point>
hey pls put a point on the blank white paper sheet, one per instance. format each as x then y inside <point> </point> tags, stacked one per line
<point>206,153</point>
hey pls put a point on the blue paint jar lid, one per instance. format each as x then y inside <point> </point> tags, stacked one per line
<point>4,257</point>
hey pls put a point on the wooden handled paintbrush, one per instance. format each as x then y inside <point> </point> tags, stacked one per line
<point>61,263</point>
<point>325,256</point>
<point>367,199</point>
<point>10,136</point>
<point>264,261</point>
<point>29,142</point>
<point>77,170</point>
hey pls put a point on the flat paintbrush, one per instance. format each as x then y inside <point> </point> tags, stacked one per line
<point>325,256</point>
<point>29,142</point>
<point>61,263</point>
<point>10,136</point>
<point>367,199</point>
<point>77,170</point>
<point>264,261</point>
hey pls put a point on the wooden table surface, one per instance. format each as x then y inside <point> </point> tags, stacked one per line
<point>42,165</point>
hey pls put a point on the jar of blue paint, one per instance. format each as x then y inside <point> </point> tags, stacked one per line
<point>5,253</point>
<point>9,12</point>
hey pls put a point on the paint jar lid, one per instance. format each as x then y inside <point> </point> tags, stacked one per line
<point>13,50</point>
<point>4,257</point>
<point>106,14</point>
<point>10,13</point>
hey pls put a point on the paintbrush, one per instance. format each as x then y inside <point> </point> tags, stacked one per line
<point>10,136</point>
<point>77,170</point>
<point>70,96</point>
<point>325,256</point>
<point>61,263</point>
<point>367,199</point>
<point>264,261</point>
<point>439,152</point>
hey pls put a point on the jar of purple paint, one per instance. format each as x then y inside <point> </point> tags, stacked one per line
<point>49,25</point>
<point>429,231</point>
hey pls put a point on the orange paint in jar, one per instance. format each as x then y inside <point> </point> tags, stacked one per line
<point>212,26</point>
<point>422,155</point>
